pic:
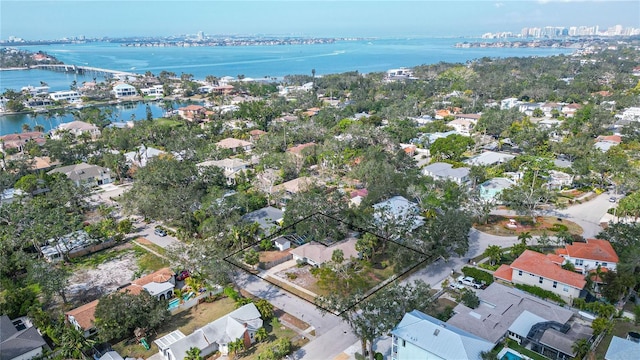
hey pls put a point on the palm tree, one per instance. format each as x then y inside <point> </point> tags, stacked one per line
<point>236,346</point>
<point>26,128</point>
<point>73,343</point>
<point>261,334</point>
<point>524,237</point>
<point>193,354</point>
<point>494,253</point>
<point>581,348</point>
<point>38,128</point>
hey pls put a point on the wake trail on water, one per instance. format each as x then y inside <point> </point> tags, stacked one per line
<point>243,62</point>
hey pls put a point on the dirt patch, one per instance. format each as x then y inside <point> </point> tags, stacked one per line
<point>298,275</point>
<point>88,284</point>
<point>269,256</point>
<point>514,226</point>
<point>292,320</point>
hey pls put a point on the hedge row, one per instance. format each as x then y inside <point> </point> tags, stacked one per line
<point>479,275</point>
<point>540,292</point>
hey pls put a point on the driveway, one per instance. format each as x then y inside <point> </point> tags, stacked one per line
<point>332,334</point>
<point>147,231</point>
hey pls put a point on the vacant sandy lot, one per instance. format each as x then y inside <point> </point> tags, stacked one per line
<point>88,284</point>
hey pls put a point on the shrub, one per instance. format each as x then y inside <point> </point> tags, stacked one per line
<point>489,267</point>
<point>482,276</point>
<point>558,227</point>
<point>292,276</point>
<point>540,292</point>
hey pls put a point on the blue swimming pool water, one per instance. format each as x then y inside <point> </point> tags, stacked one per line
<point>510,356</point>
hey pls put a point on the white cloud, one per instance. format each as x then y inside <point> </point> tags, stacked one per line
<point>498,4</point>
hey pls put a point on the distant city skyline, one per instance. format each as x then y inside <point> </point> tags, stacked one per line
<point>47,20</point>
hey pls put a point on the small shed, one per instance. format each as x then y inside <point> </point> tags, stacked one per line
<point>281,243</point>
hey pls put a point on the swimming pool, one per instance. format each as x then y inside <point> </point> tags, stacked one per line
<point>175,302</point>
<point>509,354</point>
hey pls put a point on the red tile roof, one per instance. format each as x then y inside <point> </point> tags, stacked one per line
<point>611,138</point>
<point>504,272</point>
<point>298,149</point>
<point>593,249</point>
<point>85,314</point>
<point>540,265</point>
<point>557,259</point>
<point>160,276</point>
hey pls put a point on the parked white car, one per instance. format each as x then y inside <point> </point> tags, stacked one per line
<point>469,281</point>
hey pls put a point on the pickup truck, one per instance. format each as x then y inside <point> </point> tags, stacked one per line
<point>469,281</point>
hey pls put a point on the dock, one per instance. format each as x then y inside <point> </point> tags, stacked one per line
<point>82,70</point>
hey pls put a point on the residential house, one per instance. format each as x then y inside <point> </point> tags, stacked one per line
<point>461,126</point>
<point>569,110</point>
<point>121,90</point>
<point>256,134</point>
<point>82,318</point>
<point>587,256</point>
<point>631,114</point>
<point>311,112</point>
<point>445,171</point>
<point>549,107</point>
<point>286,90</point>
<point>490,189</point>
<point>528,108</point>
<point>604,143</point>
<point>35,90</point>
<point>530,321</point>
<point>357,196</point>
<point>142,155</point>
<point>69,96</point>
<point>622,349</point>
<point>18,141</point>
<point>85,174</point>
<point>399,74</point>
<point>242,323</point>
<point>489,158</point>
<point>544,271</point>
<point>231,168</point>
<point>236,145</point>
<point>294,186</point>
<point>297,152</point>
<point>222,89</point>
<point>19,339</point>
<point>77,128</point>
<point>316,254</point>
<point>67,245</point>
<point>268,218</point>
<point>420,336</point>
<point>509,103</point>
<point>156,91</point>
<point>159,284</point>
<point>398,208</point>
<point>428,139</point>
<point>559,179</point>
<point>192,112</point>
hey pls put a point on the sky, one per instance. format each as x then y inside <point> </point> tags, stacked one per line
<point>54,19</point>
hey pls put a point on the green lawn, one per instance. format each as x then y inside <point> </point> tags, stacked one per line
<point>187,322</point>
<point>534,355</point>
<point>280,331</point>
<point>168,122</point>
<point>620,329</point>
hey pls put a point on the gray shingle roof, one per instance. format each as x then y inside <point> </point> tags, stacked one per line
<point>439,338</point>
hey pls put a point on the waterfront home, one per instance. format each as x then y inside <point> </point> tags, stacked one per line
<point>236,145</point>
<point>586,256</point>
<point>35,90</point>
<point>420,336</point>
<point>445,171</point>
<point>18,141</point>
<point>156,91</point>
<point>19,339</point>
<point>121,90</point>
<point>544,271</point>
<point>69,96</point>
<point>76,128</point>
<point>242,323</point>
<point>192,112</point>
<point>85,174</point>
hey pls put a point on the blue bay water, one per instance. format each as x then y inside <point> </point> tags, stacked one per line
<point>251,61</point>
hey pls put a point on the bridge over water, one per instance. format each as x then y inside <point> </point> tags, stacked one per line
<point>83,70</point>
